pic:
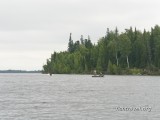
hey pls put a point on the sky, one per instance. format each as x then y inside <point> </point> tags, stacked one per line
<point>31,30</point>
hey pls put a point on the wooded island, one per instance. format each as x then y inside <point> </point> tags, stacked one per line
<point>129,52</point>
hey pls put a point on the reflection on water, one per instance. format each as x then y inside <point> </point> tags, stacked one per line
<point>79,97</point>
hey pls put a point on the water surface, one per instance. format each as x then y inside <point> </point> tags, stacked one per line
<point>79,97</point>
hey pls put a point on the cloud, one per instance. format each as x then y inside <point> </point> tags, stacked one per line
<point>39,27</point>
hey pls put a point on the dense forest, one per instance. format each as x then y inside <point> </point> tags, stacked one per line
<point>129,52</point>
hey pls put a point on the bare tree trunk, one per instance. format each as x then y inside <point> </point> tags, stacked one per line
<point>127,62</point>
<point>117,59</point>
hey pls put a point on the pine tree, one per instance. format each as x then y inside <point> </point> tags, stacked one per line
<point>70,44</point>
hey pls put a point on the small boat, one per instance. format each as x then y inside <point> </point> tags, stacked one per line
<point>98,76</point>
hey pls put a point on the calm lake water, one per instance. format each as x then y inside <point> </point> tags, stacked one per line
<point>79,97</point>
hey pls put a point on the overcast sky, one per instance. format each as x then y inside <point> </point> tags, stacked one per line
<point>30,30</point>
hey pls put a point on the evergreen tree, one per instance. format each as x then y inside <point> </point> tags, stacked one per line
<point>70,44</point>
<point>81,39</point>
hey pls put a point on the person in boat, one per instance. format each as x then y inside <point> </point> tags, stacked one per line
<point>100,74</point>
<point>95,72</point>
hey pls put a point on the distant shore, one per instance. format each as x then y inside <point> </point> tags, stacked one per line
<point>20,71</point>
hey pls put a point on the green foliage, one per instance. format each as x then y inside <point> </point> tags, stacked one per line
<point>112,68</point>
<point>131,52</point>
<point>135,71</point>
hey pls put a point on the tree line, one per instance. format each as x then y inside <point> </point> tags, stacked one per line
<point>129,52</point>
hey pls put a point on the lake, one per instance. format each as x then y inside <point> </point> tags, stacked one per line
<point>79,97</point>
